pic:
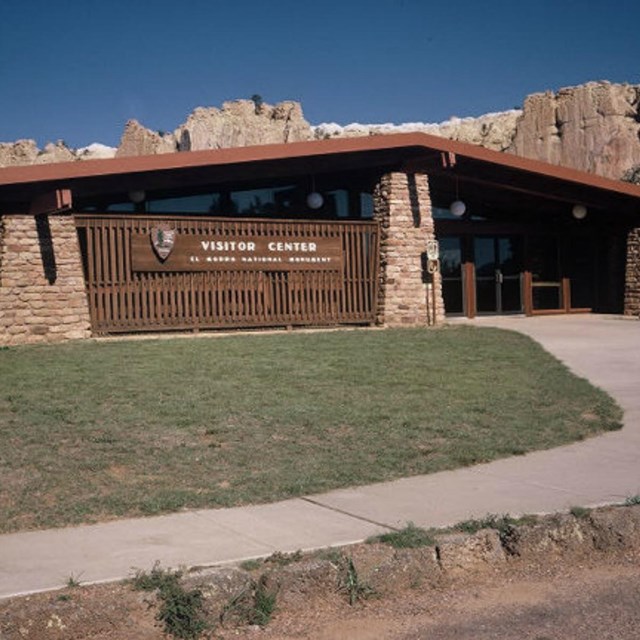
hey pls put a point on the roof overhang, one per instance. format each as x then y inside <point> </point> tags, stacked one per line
<point>471,167</point>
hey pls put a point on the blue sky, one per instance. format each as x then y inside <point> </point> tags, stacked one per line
<point>79,69</point>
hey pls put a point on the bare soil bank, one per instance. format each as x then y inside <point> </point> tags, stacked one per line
<point>561,576</point>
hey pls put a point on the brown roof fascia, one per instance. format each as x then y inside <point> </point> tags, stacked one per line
<point>65,171</point>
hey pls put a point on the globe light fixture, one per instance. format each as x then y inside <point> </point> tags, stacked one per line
<point>137,196</point>
<point>579,211</point>
<point>457,208</point>
<point>315,200</point>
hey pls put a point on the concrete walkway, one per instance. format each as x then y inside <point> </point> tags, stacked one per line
<point>606,350</point>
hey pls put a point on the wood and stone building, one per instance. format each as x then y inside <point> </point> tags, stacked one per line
<point>332,232</point>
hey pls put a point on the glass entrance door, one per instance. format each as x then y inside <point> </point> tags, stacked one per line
<point>452,277</point>
<point>498,267</point>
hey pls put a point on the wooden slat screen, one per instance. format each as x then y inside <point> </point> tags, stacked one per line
<point>121,300</point>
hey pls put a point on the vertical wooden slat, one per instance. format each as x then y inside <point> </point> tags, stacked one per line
<point>122,300</point>
<point>91,271</point>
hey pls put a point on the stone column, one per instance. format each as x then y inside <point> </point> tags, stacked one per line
<point>403,208</point>
<point>632,275</point>
<point>42,288</point>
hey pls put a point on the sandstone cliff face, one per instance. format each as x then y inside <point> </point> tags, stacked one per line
<point>242,123</point>
<point>18,153</point>
<point>139,141</point>
<point>594,127</point>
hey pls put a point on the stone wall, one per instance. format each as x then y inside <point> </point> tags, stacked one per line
<point>42,290</point>
<point>403,208</point>
<point>632,276</point>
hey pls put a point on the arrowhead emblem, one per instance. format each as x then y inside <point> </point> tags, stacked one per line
<point>163,238</point>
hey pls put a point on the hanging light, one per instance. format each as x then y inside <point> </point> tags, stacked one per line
<point>457,207</point>
<point>137,196</point>
<point>314,199</point>
<point>579,211</point>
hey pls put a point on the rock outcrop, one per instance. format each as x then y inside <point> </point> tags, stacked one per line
<point>139,141</point>
<point>594,127</point>
<point>492,130</point>
<point>25,152</point>
<point>18,153</point>
<point>55,152</point>
<point>242,123</point>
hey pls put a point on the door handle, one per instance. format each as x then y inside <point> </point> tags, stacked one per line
<point>498,276</point>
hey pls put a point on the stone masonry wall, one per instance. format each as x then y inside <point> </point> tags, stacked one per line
<point>42,290</point>
<point>632,276</point>
<point>403,207</point>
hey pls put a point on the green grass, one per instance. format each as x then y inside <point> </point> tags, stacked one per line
<point>411,537</point>
<point>490,521</point>
<point>91,431</point>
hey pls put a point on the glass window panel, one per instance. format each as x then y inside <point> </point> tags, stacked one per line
<point>510,250</point>
<point>272,201</point>
<point>366,205</point>
<point>450,257</point>
<point>485,257</point>
<point>442,213</point>
<point>452,296</point>
<point>544,259</point>
<point>511,299</point>
<point>197,203</point>
<point>451,270</point>
<point>121,206</point>
<point>580,260</point>
<point>486,301</point>
<point>336,203</point>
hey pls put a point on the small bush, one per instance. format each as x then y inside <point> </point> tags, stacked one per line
<point>181,611</point>
<point>158,578</point>
<point>411,537</point>
<point>631,500</point>
<point>579,512</point>
<point>73,581</point>
<point>502,524</point>
<point>251,565</point>
<point>254,605</point>
<point>351,584</point>
<point>264,604</point>
<point>283,559</point>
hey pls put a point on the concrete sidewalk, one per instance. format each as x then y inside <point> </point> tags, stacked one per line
<point>606,350</point>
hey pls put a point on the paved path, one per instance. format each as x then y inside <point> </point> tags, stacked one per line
<point>600,470</point>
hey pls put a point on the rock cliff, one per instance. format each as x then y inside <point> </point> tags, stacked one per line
<point>240,123</point>
<point>594,127</point>
<point>492,130</point>
<point>27,152</point>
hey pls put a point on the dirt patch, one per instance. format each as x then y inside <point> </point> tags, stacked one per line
<point>463,587</point>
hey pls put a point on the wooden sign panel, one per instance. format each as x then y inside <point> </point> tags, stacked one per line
<point>208,252</point>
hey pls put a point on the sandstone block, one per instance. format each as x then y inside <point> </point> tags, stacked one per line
<point>460,552</point>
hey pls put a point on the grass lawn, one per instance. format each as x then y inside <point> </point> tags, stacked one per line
<point>91,431</point>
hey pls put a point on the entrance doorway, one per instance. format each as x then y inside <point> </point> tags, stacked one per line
<point>498,273</point>
<point>508,268</point>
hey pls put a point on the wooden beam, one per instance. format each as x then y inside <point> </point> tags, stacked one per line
<point>57,201</point>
